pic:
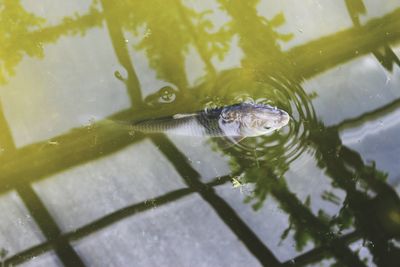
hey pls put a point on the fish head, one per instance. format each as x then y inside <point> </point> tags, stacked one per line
<point>255,119</point>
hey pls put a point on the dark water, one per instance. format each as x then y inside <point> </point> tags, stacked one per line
<point>77,190</point>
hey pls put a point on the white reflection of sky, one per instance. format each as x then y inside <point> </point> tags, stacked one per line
<point>378,8</point>
<point>18,230</point>
<point>147,76</point>
<point>71,84</point>
<point>361,248</point>
<point>352,89</point>
<point>376,127</point>
<point>186,232</point>
<point>328,17</point>
<point>378,141</point>
<point>52,11</point>
<point>349,90</point>
<point>97,188</point>
<point>75,81</point>
<point>48,259</point>
<point>268,223</point>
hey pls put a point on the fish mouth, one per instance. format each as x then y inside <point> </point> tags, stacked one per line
<point>285,118</point>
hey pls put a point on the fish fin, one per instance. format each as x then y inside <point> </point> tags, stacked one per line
<point>180,116</point>
<point>231,141</point>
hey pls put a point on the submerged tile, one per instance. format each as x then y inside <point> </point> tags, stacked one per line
<point>183,233</point>
<point>95,189</point>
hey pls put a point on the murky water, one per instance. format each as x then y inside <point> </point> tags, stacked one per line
<point>76,190</point>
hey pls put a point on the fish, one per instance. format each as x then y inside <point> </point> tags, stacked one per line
<point>236,122</point>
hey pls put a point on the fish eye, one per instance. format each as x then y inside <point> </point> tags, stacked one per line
<point>267,127</point>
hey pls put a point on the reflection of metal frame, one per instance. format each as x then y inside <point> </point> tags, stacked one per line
<point>386,57</point>
<point>362,39</point>
<point>326,52</point>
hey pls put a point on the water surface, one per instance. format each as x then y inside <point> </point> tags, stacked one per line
<point>77,191</point>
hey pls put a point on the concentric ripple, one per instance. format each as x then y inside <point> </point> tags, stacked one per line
<point>280,147</point>
<point>284,145</point>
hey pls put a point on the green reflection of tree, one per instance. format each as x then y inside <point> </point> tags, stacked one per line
<point>263,59</point>
<point>369,205</point>
<point>258,36</point>
<point>268,183</point>
<point>385,56</point>
<point>23,33</point>
<point>259,42</point>
<point>15,22</point>
<point>167,29</point>
<point>369,200</point>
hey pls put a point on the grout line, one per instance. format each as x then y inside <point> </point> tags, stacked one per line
<point>98,224</point>
<point>48,226</point>
<point>223,210</point>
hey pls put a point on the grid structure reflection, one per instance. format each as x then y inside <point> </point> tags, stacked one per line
<point>330,246</point>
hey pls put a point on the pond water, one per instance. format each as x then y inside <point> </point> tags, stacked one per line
<point>77,188</point>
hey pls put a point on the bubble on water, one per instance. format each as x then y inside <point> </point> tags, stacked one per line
<point>119,76</point>
<point>167,94</point>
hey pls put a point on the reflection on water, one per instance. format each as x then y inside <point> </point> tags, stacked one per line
<point>314,192</point>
